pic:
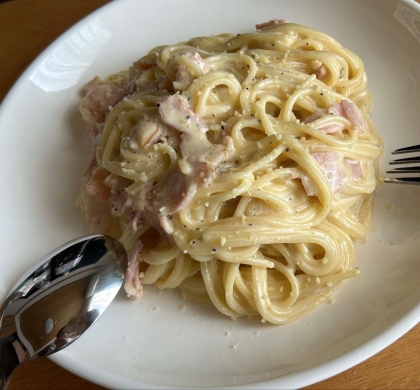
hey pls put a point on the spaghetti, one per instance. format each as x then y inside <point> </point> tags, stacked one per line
<point>240,169</point>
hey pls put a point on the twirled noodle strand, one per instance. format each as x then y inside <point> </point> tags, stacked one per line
<point>238,168</point>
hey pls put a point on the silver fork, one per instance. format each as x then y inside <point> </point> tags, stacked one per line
<point>414,180</point>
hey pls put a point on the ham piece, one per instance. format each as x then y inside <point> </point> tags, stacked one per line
<point>350,111</point>
<point>132,284</point>
<point>96,186</point>
<point>327,129</point>
<point>337,169</point>
<point>183,75</point>
<point>345,109</point>
<point>95,106</point>
<point>175,111</point>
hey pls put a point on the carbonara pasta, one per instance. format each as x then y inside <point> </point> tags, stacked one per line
<point>239,168</point>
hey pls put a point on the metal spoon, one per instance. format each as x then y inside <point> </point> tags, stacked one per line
<point>58,299</point>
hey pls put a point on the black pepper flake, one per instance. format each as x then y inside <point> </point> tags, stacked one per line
<point>223,127</point>
<point>287,149</point>
<point>187,117</point>
<point>322,94</point>
<point>157,104</point>
<point>213,250</point>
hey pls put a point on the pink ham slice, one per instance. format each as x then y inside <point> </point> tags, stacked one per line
<point>319,113</point>
<point>96,186</point>
<point>345,109</point>
<point>132,284</point>
<point>183,75</point>
<point>356,168</point>
<point>306,181</point>
<point>337,169</point>
<point>147,131</point>
<point>327,129</point>
<point>175,111</point>
<point>99,216</point>
<point>157,202</point>
<point>172,194</point>
<point>150,130</point>
<point>350,111</point>
<point>197,59</point>
<point>333,128</point>
<point>95,105</point>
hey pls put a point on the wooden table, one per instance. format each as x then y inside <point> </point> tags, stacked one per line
<point>26,28</point>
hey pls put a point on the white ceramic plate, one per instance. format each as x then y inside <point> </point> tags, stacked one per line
<point>154,341</point>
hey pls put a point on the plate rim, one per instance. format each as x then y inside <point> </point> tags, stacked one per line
<point>321,372</point>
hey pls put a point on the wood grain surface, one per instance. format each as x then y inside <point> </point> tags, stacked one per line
<point>29,26</point>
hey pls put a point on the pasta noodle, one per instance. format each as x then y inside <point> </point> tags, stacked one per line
<point>240,169</point>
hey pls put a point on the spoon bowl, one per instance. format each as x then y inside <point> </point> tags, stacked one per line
<point>58,299</point>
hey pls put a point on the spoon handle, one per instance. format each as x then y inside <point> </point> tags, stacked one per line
<point>59,300</point>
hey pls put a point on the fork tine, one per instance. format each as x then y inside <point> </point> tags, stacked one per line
<point>404,170</point>
<point>404,180</point>
<point>408,160</point>
<point>407,169</point>
<point>409,149</point>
